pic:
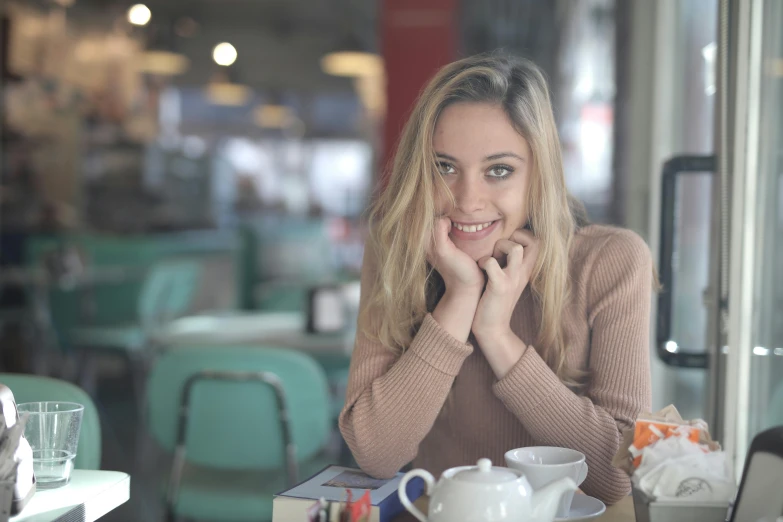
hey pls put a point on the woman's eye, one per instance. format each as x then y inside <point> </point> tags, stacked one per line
<point>500,171</point>
<point>445,168</point>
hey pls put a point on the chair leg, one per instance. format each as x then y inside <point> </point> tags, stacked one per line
<point>86,371</point>
<point>144,447</point>
<point>138,365</point>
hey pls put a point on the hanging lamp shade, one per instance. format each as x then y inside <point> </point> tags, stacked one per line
<point>275,113</point>
<point>224,88</point>
<point>160,56</point>
<point>350,58</point>
<point>272,116</point>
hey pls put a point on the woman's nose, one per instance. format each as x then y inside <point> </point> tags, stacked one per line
<point>469,194</point>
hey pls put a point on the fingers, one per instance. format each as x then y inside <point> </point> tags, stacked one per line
<point>524,237</point>
<point>505,247</point>
<point>529,241</point>
<point>509,254</point>
<point>490,265</point>
<point>442,228</point>
<point>441,238</point>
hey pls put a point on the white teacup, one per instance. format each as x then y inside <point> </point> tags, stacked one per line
<point>543,465</point>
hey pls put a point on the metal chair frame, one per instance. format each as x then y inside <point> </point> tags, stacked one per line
<point>266,378</point>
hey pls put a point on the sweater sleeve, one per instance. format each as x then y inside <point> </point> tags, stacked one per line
<point>619,295</point>
<point>393,400</point>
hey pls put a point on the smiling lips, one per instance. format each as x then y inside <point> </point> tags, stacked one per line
<point>474,231</point>
<point>472,228</point>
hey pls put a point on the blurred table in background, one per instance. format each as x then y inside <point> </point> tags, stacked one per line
<point>284,329</point>
<point>272,328</point>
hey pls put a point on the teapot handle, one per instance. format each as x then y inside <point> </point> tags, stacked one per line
<point>401,490</point>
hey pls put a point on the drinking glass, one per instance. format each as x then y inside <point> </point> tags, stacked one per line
<point>52,430</point>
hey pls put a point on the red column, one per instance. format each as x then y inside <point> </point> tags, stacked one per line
<point>418,37</point>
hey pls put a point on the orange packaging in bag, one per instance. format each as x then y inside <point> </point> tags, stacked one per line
<point>647,432</point>
<point>652,427</point>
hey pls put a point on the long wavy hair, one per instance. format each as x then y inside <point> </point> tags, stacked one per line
<point>402,216</point>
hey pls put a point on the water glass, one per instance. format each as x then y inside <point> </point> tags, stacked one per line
<point>52,430</point>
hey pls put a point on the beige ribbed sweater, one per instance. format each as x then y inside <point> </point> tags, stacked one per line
<point>440,405</point>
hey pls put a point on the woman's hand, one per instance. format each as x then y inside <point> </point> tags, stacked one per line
<point>463,279</point>
<point>458,270</point>
<point>504,286</point>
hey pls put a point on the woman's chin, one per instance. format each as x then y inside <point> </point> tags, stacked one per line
<point>476,252</point>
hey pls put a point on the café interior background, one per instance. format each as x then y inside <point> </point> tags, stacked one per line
<point>236,133</point>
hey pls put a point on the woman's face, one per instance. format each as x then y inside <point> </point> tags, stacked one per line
<point>486,165</point>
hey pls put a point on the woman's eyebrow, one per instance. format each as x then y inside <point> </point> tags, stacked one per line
<point>446,157</point>
<point>500,155</point>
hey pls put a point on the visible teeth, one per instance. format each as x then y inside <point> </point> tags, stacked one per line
<point>472,228</point>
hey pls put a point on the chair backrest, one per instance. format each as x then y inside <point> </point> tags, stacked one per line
<point>168,290</point>
<point>236,425</point>
<point>35,388</point>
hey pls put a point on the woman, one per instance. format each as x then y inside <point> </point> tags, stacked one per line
<point>493,316</point>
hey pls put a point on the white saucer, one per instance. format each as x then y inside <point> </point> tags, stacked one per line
<point>583,507</point>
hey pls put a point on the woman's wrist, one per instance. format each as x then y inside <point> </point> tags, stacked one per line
<point>455,311</point>
<point>502,349</point>
<point>494,335</point>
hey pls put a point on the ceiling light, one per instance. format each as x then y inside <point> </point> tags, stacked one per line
<point>272,116</point>
<point>139,14</point>
<point>224,54</point>
<point>352,63</point>
<point>351,57</point>
<point>163,63</point>
<point>228,94</point>
<point>161,56</point>
<point>225,88</point>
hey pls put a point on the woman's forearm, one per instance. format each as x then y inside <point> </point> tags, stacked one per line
<point>455,310</point>
<point>391,405</point>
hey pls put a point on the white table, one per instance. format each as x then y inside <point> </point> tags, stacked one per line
<point>88,496</point>
<point>285,329</point>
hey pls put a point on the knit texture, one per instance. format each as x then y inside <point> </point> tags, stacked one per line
<point>439,404</point>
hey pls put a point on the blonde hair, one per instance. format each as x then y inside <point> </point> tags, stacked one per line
<point>402,217</point>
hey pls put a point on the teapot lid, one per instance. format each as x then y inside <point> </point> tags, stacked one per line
<point>484,473</point>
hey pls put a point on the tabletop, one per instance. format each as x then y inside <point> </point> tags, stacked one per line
<point>284,329</point>
<point>88,496</point>
<point>620,512</point>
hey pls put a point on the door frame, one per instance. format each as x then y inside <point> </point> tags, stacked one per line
<point>742,139</point>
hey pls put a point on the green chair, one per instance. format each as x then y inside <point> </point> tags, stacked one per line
<point>166,293</point>
<point>35,388</point>
<point>243,423</point>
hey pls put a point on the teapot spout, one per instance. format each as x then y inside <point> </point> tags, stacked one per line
<point>547,499</point>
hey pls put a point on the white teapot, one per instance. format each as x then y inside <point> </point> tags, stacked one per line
<point>484,493</point>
